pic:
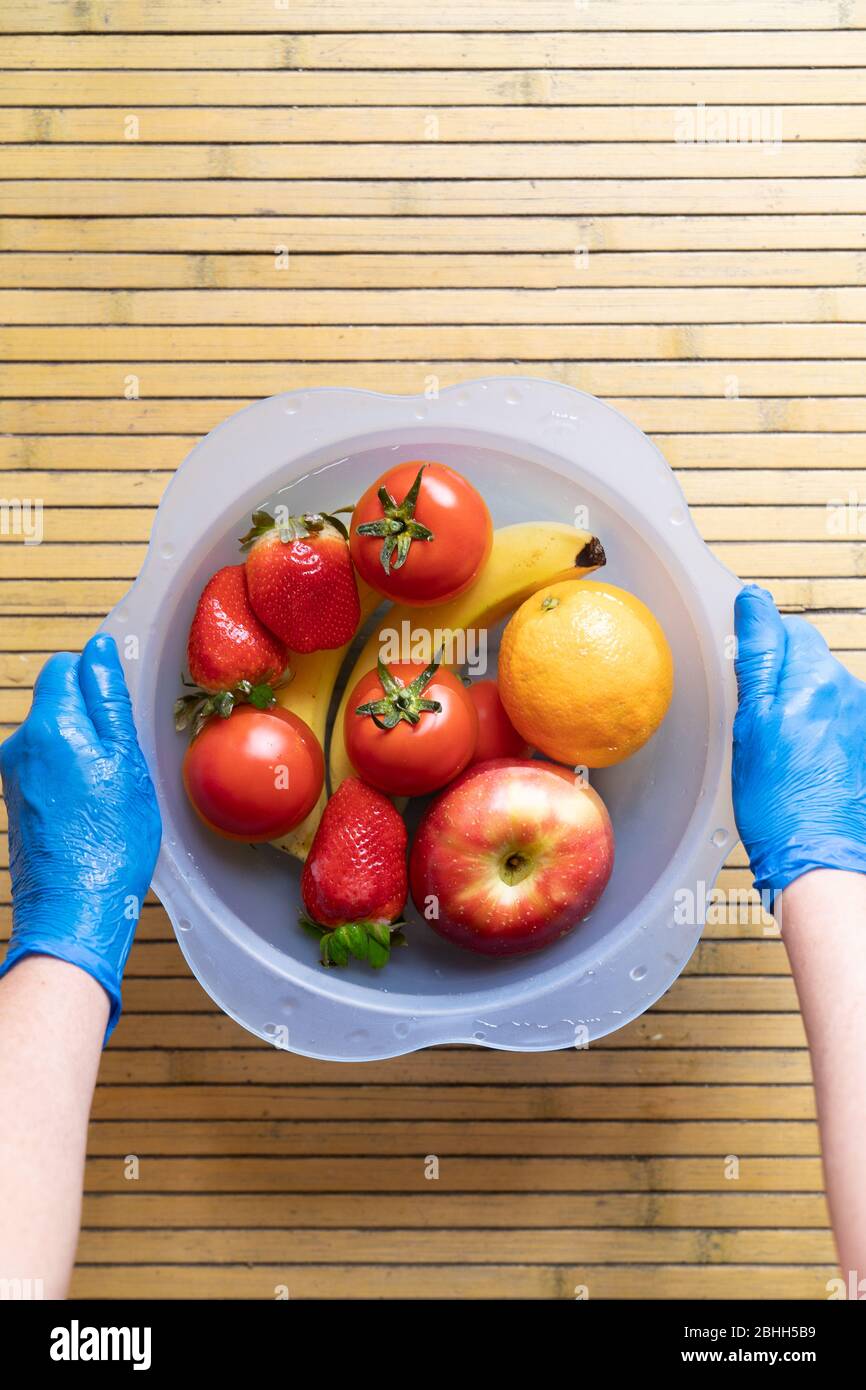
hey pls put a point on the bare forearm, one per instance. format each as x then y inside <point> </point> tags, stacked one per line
<point>52,1022</point>
<point>823,917</point>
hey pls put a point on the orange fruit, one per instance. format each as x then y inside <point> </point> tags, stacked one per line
<point>585,673</point>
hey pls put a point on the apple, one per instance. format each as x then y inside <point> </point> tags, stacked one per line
<point>511,856</point>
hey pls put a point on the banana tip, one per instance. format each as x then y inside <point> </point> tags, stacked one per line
<point>591,556</point>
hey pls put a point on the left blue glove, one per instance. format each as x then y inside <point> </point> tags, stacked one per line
<point>84,826</point>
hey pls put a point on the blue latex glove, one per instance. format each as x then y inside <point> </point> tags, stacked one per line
<point>799,769</point>
<point>84,826</point>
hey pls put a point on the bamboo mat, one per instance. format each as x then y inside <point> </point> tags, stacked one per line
<point>461,189</point>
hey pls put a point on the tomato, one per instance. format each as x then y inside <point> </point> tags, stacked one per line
<point>421,533</point>
<point>497,736</point>
<point>255,775</point>
<point>424,747</point>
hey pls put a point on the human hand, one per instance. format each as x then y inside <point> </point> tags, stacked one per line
<point>799,769</point>
<point>84,826</point>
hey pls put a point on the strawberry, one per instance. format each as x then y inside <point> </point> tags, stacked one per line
<point>354,880</point>
<point>227,642</point>
<point>301,580</point>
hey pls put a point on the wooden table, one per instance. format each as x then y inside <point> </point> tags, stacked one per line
<point>492,188</point>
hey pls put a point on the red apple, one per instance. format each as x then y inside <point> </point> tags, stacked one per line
<point>511,856</point>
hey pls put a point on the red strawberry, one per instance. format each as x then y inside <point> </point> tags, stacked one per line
<point>354,881</point>
<point>227,642</point>
<point>301,580</point>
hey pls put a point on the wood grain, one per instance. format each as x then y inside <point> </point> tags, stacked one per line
<point>501,188</point>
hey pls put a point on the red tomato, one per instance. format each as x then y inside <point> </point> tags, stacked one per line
<point>255,775</point>
<point>425,748</point>
<point>426,538</point>
<point>497,736</point>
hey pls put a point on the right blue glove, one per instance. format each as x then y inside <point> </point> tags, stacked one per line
<point>799,771</point>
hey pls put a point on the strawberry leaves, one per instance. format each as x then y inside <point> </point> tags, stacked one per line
<point>398,526</point>
<point>194,710</point>
<point>366,941</point>
<point>292,528</point>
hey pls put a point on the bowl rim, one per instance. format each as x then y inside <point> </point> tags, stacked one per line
<point>519,413</point>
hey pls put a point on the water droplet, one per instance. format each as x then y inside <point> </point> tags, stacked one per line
<point>719,838</point>
<point>167,551</point>
<point>480,1036</point>
<point>638,973</point>
<point>512,397</point>
<point>677,516</point>
<point>184,924</point>
<point>401,1029</point>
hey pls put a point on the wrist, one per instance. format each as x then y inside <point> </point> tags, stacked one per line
<point>812,901</point>
<point>775,868</point>
<point>73,956</point>
<point>55,987</point>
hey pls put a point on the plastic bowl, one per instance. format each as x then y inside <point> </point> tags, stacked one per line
<point>535,450</point>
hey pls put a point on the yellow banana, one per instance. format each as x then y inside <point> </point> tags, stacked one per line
<point>524,558</point>
<point>308,694</point>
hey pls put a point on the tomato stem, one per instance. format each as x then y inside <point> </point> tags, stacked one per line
<point>401,702</point>
<point>398,526</point>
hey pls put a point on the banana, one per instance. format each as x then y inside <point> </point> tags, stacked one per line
<point>524,558</point>
<point>308,694</point>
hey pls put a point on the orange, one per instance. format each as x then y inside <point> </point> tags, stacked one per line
<point>585,673</point>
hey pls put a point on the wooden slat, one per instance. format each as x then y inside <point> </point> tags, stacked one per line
<point>454,87</point>
<point>435,160</point>
<point>89,197</point>
<point>398,124</point>
<point>707,1138</point>
<point>563,306</point>
<point>410,232</point>
<point>155,416</point>
<point>236,16</point>
<point>241,380</point>
<point>455,1281</point>
<point>480,51</point>
<point>458,1247</point>
<point>609,269</point>
<point>614,1069</point>
<point>562,1211</point>
<point>427,344</point>
<point>282,1174</point>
